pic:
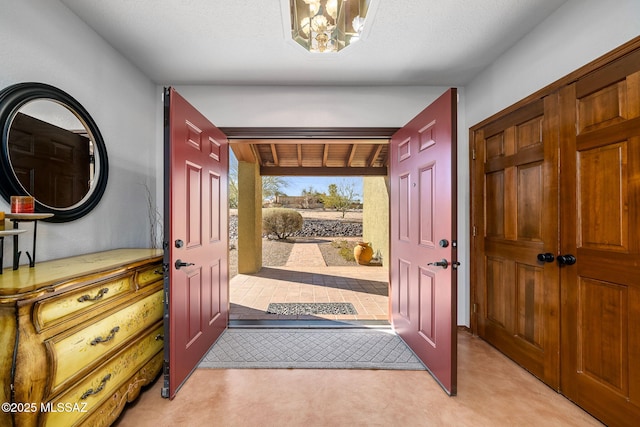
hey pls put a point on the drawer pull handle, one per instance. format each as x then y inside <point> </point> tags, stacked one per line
<point>109,337</point>
<point>97,390</point>
<point>98,296</point>
<point>159,337</point>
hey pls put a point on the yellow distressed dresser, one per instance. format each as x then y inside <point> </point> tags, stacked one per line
<point>79,336</point>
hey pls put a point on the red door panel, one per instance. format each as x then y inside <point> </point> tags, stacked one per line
<point>196,238</point>
<point>423,232</point>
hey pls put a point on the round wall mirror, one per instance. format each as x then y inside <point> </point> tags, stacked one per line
<point>51,150</point>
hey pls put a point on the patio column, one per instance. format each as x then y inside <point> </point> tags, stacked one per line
<point>249,218</point>
<point>375,220</point>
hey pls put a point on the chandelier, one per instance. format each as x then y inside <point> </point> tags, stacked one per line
<point>327,25</point>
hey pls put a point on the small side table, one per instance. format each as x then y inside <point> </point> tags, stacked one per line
<point>25,217</point>
<point>3,233</point>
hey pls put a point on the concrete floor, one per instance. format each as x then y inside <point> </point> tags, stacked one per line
<point>492,391</point>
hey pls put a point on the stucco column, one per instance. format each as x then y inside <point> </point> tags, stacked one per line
<point>375,219</point>
<point>249,218</point>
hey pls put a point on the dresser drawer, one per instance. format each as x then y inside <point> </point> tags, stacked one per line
<point>110,409</point>
<point>147,276</point>
<point>82,349</point>
<point>54,310</point>
<point>97,387</point>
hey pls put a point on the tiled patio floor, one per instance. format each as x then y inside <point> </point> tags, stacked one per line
<point>305,280</point>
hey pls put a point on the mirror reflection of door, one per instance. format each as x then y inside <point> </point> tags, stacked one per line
<point>53,157</point>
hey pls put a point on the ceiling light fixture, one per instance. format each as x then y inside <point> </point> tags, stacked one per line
<point>327,25</point>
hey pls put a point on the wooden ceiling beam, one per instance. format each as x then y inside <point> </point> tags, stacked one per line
<point>295,141</point>
<point>299,148</point>
<point>375,155</point>
<point>274,153</point>
<point>352,153</point>
<point>257,155</point>
<point>244,152</point>
<point>325,155</point>
<point>307,133</point>
<point>322,171</point>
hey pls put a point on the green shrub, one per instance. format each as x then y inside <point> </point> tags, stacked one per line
<point>281,222</point>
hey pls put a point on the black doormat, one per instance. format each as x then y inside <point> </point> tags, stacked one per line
<point>301,308</point>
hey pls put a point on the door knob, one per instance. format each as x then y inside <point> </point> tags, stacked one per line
<point>566,259</point>
<point>444,263</point>
<point>546,257</point>
<point>179,264</point>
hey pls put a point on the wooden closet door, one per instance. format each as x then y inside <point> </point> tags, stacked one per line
<point>515,218</point>
<point>600,221</point>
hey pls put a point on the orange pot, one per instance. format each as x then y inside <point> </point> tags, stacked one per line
<point>363,253</point>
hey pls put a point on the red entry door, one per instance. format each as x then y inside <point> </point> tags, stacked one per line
<point>423,237</point>
<point>196,238</point>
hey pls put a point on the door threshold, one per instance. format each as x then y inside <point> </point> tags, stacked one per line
<point>309,324</point>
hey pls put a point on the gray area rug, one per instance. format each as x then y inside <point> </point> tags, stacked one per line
<point>301,308</point>
<point>310,349</point>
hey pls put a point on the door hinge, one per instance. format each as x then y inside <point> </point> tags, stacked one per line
<point>475,307</point>
<point>475,231</point>
<point>473,154</point>
<point>165,373</point>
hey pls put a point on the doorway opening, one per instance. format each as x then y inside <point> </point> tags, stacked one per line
<point>331,184</point>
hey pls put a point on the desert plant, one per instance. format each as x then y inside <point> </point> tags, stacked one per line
<point>345,249</point>
<point>281,222</point>
<point>340,197</point>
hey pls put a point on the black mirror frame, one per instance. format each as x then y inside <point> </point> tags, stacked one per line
<point>14,97</point>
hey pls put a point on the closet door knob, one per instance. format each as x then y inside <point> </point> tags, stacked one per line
<point>546,257</point>
<point>566,259</point>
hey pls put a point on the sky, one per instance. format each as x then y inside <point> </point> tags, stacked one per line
<point>320,184</point>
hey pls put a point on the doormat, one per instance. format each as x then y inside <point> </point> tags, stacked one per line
<point>297,308</point>
<point>252,348</point>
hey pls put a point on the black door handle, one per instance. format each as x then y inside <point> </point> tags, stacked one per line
<point>546,257</point>
<point>444,263</point>
<point>566,259</point>
<point>179,264</point>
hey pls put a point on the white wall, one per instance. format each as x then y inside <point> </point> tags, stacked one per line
<point>316,106</point>
<point>576,34</point>
<point>42,41</point>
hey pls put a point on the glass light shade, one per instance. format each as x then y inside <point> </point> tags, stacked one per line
<point>327,25</point>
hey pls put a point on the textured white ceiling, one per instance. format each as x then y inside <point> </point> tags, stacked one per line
<point>239,42</point>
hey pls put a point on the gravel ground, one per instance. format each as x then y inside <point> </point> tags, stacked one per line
<point>316,224</point>
<point>331,252</point>
<point>275,253</point>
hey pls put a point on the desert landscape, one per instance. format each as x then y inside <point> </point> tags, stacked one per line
<point>336,237</point>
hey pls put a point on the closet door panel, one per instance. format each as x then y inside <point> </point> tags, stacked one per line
<point>518,295</point>
<point>600,359</point>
